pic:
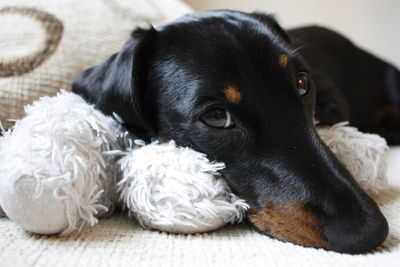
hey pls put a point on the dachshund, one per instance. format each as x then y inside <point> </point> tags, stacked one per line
<point>242,90</point>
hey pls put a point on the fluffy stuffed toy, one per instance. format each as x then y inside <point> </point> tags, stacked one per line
<point>65,165</point>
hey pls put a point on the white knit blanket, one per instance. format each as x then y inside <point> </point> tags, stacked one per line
<point>119,241</point>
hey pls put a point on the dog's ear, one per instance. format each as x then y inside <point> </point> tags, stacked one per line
<point>115,86</point>
<point>273,24</point>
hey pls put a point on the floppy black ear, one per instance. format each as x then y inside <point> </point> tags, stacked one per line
<point>114,86</point>
<point>273,24</point>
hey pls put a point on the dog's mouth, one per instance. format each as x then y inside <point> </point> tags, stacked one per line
<point>309,198</point>
<point>295,224</point>
<point>292,223</point>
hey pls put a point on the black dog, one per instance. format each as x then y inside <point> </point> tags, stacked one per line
<point>235,87</point>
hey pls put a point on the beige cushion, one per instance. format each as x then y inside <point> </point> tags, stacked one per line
<point>45,44</point>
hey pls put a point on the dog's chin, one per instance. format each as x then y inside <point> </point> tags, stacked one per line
<point>291,223</point>
<point>295,224</point>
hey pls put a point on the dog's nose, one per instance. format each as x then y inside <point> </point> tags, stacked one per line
<point>348,236</point>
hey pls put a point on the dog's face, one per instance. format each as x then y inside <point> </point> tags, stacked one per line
<point>229,85</point>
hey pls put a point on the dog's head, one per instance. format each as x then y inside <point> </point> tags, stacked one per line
<point>229,84</point>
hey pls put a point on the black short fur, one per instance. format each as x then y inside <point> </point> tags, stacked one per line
<point>163,81</point>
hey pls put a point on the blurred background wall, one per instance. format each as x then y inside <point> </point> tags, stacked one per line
<point>371,24</point>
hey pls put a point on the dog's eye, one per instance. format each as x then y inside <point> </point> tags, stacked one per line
<point>217,117</point>
<point>302,83</point>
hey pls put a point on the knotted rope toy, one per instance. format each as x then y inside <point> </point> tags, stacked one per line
<point>66,165</point>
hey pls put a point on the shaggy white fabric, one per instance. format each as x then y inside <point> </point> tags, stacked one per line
<point>53,173</point>
<point>363,154</point>
<point>66,158</point>
<point>177,189</point>
<point>59,172</point>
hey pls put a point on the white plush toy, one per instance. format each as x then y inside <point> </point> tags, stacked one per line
<point>65,165</point>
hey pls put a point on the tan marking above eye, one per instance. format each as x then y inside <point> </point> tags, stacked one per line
<point>162,140</point>
<point>283,60</point>
<point>232,94</point>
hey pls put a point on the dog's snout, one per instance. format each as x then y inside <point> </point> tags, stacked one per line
<point>342,234</point>
<point>321,206</point>
<point>353,221</point>
<point>356,235</point>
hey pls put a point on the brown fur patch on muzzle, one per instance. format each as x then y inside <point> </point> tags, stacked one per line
<point>291,223</point>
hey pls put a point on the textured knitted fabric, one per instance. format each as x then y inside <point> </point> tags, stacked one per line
<point>119,241</point>
<point>45,44</point>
